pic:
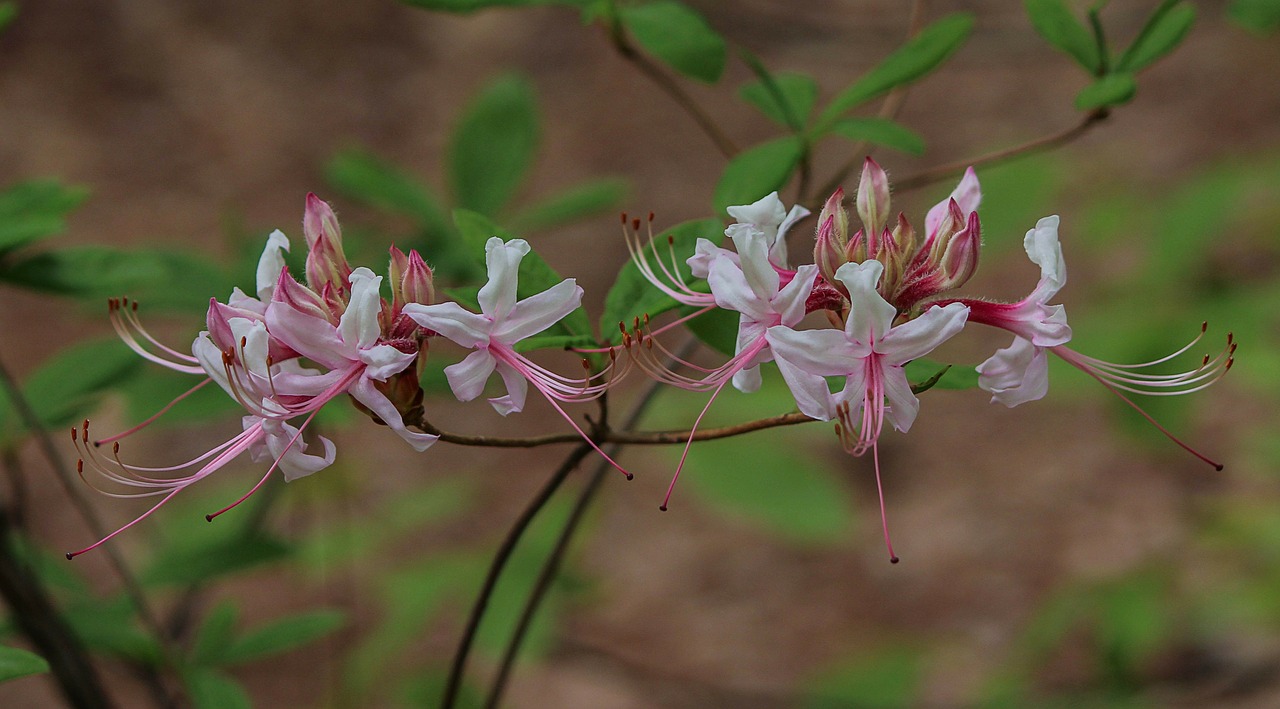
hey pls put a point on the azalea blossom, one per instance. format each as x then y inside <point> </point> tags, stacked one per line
<point>869,353</point>
<point>1020,372</point>
<point>494,332</point>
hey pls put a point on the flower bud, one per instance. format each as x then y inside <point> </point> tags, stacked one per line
<point>873,198</point>
<point>835,211</point>
<point>828,252</point>
<point>951,223</point>
<point>418,285</point>
<point>326,263</point>
<point>960,259</point>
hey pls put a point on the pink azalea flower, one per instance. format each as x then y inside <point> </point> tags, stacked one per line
<point>869,353</point>
<point>494,332</point>
<point>1020,372</point>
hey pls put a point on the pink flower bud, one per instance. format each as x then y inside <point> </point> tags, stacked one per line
<point>326,263</point>
<point>418,285</point>
<point>828,252</point>
<point>873,198</point>
<point>960,259</point>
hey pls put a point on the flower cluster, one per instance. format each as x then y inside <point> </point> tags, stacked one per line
<point>290,349</point>
<point>887,291</point>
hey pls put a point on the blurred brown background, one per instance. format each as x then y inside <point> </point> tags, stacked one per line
<point>182,115</point>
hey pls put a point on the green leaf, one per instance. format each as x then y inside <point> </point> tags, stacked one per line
<point>957,377</point>
<point>493,145</point>
<point>210,555</point>
<point>1164,31</point>
<point>14,662</point>
<point>32,210</point>
<point>716,328</point>
<point>757,171</point>
<point>109,627</point>
<point>785,98</point>
<point>880,131</point>
<point>677,35</point>
<point>68,384</point>
<point>1259,16</point>
<point>86,271</point>
<point>555,342</point>
<point>1110,90</point>
<point>282,635</point>
<point>1059,27</point>
<point>633,296</point>
<point>8,11</point>
<point>579,201</point>
<point>919,56</point>
<point>888,679</point>
<point>216,633</point>
<point>364,176</point>
<point>210,689</point>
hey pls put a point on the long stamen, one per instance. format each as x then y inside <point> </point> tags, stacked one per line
<point>274,464</point>
<point>884,519</point>
<point>151,419</point>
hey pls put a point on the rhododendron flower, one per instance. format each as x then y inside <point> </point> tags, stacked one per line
<point>1020,372</point>
<point>494,332</point>
<point>869,353</point>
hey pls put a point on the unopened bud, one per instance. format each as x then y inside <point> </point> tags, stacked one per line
<point>828,252</point>
<point>326,263</point>
<point>834,211</point>
<point>856,250</point>
<point>873,198</point>
<point>418,285</point>
<point>953,222</point>
<point>960,259</point>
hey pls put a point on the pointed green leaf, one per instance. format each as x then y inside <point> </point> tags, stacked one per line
<point>86,271</point>
<point>1059,27</point>
<point>361,175</point>
<point>210,689</point>
<point>633,296</point>
<point>1164,31</point>
<point>1258,16</point>
<point>15,663</point>
<point>67,385</point>
<point>33,210</point>
<point>957,377</point>
<point>785,98</point>
<point>919,56</point>
<point>282,635</point>
<point>216,634</point>
<point>757,171</point>
<point>1110,90</point>
<point>880,131</point>
<point>493,145</point>
<point>212,554</point>
<point>677,35</point>
<point>584,200</point>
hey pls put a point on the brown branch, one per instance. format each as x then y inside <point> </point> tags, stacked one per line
<point>641,438</point>
<point>1048,142</point>
<point>673,89</point>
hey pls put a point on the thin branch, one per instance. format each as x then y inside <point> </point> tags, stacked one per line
<point>1048,142</point>
<point>458,668</point>
<point>673,89</point>
<point>640,438</point>
<point>131,586</point>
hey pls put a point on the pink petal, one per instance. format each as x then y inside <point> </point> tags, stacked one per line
<point>539,312</point>
<point>467,378</point>
<point>1016,374</point>
<point>451,320</point>
<point>364,392</point>
<point>921,336</point>
<point>498,296</point>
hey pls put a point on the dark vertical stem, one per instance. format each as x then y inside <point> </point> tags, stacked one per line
<point>38,619</point>
<point>453,684</point>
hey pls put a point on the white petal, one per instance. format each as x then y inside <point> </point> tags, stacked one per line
<point>294,461</point>
<point>1044,251</point>
<point>922,335</point>
<point>870,315</point>
<point>384,361</point>
<point>252,344</point>
<point>732,291</point>
<point>453,321</point>
<point>539,312</point>
<point>765,213</point>
<point>791,300</point>
<point>467,378</point>
<point>778,246</point>
<point>704,254</point>
<point>310,336</point>
<point>270,264</point>
<point>753,256</point>
<point>967,194</point>
<point>747,380</point>
<point>812,396</point>
<point>364,392</point>
<point>902,403</point>
<point>1016,374</point>
<point>210,358</point>
<point>359,323</point>
<point>823,353</point>
<point>517,390</point>
<point>498,296</point>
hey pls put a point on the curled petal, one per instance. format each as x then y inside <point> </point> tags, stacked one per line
<point>517,390</point>
<point>870,315</point>
<point>792,300</point>
<point>902,402</point>
<point>967,194</point>
<point>922,335</point>
<point>498,296</point>
<point>271,263</point>
<point>811,393</point>
<point>824,353</point>
<point>733,291</point>
<point>384,360</point>
<point>1044,251</point>
<point>359,323</point>
<point>704,254</point>
<point>753,258</point>
<point>467,378</point>
<point>275,445</point>
<point>1016,374</point>
<point>364,392</point>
